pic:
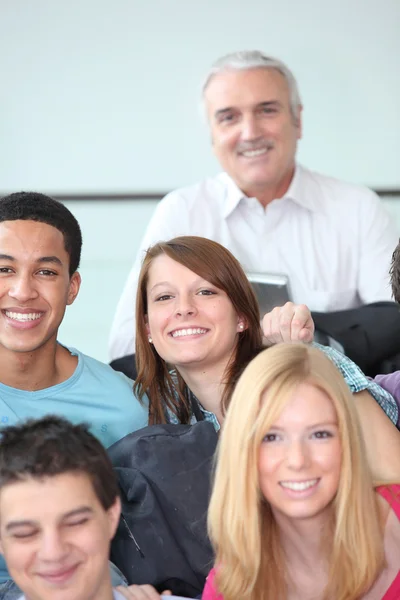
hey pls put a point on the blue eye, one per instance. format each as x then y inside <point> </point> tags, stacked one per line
<point>322,435</point>
<point>270,437</point>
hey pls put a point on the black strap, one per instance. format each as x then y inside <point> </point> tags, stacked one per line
<point>195,407</point>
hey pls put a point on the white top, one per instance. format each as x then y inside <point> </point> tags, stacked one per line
<point>333,239</point>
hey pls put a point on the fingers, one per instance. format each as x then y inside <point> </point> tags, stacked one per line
<point>140,592</point>
<point>302,324</point>
<point>288,323</point>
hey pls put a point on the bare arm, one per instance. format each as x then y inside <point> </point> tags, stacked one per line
<point>382,439</point>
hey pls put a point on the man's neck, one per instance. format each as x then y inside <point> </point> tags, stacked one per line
<point>36,370</point>
<point>266,194</point>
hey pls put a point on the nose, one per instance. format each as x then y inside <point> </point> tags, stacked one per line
<point>185,306</point>
<point>250,128</point>
<point>23,288</point>
<point>53,547</point>
<point>297,455</point>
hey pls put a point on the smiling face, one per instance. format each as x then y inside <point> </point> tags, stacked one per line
<point>55,536</point>
<point>300,456</point>
<point>253,131</point>
<point>35,285</point>
<point>191,322</point>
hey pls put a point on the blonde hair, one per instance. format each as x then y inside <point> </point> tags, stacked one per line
<point>242,528</point>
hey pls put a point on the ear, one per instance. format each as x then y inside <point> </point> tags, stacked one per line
<point>114,513</point>
<point>74,285</point>
<point>146,324</point>
<point>299,122</point>
<point>242,325</point>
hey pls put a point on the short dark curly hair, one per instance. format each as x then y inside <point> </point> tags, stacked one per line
<point>395,273</point>
<point>33,206</point>
<point>39,448</point>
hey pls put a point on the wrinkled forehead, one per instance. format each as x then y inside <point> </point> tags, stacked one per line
<point>241,87</point>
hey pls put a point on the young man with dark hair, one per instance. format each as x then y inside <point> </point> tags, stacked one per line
<point>59,509</point>
<point>40,248</point>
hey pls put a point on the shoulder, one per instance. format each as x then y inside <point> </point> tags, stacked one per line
<point>97,373</point>
<point>390,382</point>
<point>335,193</point>
<point>207,190</point>
<point>391,493</point>
<point>358,382</point>
<point>209,592</point>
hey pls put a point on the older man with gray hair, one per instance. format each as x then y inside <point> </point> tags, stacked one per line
<point>333,239</point>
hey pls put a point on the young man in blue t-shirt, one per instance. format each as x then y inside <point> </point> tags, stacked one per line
<point>40,249</point>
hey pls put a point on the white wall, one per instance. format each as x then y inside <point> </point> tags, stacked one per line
<point>111,234</point>
<point>101,95</point>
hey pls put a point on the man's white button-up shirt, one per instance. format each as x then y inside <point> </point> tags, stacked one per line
<point>333,239</point>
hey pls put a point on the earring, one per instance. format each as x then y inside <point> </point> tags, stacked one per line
<point>241,326</point>
<point>150,340</point>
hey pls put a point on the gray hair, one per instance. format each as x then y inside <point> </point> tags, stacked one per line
<point>253,59</point>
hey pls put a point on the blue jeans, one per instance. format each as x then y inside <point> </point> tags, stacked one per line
<point>10,591</point>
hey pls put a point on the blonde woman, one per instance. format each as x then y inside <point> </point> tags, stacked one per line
<point>294,513</point>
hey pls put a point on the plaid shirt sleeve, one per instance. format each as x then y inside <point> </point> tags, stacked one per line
<point>357,381</point>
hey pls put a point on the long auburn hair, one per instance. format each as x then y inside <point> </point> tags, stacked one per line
<point>249,558</point>
<point>217,265</point>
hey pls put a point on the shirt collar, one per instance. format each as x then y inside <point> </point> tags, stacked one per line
<point>298,192</point>
<point>233,195</point>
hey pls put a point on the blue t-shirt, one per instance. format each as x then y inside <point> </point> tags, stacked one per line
<point>95,394</point>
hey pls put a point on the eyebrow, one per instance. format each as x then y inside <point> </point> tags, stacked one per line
<point>322,424</point>
<point>169,283</point>
<point>50,259</point>
<point>161,283</point>
<point>83,510</point>
<point>269,103</point>
<point>41,260</point>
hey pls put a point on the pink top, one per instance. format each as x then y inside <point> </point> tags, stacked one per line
<point>392,496</point>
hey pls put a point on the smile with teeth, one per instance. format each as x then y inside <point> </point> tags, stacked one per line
<point>189,331</point>
<point>16,316</point>
<point>299,486</point>
<point>253,153</point>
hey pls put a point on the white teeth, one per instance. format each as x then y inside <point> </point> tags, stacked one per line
<point>190,331</point>
<point>298,486</point>
<point>251,153</point>
<point>23,316</point>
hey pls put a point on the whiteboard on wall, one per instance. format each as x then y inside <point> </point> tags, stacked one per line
<point>103,97</point>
